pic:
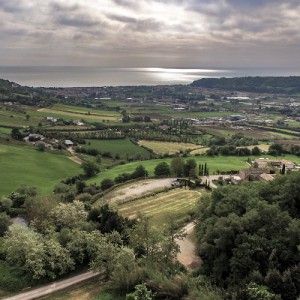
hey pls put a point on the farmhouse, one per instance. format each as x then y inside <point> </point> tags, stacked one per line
<point>252,173</point>
<point>266,162</point>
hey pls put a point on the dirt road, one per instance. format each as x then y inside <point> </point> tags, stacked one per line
<point>74,158</point>
<point>187,255</point>
<point>53,287</point>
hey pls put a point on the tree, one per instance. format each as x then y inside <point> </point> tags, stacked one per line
<point>276,150</point>
<point>106,184</point>
<point>189,165</point>
<point>283,169</point>
<point>252,227</point>
<point>139,172</point>
<point>5,204</point>
<point>162,169</point>
<point>41,146</point>
<point>80,185</point>
<point>256,151</point>
<point>90,168</point>
<point>177,166</point>
<point>141,293</point>
<point>38,209</point>
<point>5,222</point>
<point>16,134</point>
<point>35,254</point>
<point>68,214</point>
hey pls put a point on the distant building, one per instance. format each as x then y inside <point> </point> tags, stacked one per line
<point>236,179</point>
<point>33,137</point>
<point>266,177</point>
<point>69,143</point>
<point>51,119</point>
<point>252,174</point>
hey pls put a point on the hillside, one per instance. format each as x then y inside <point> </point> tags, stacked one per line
<point>284,85</point>
<point>13,92</point>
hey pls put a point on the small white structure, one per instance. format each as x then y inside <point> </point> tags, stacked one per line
<point>69,143</point>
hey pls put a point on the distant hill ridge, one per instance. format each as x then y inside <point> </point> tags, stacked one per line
<point>7,86</point>
<point>269,84</point>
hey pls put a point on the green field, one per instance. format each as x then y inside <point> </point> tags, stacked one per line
<point>15,119</point>
<point>66,115</point>
<point>85,110</point>
<point>25,165</point>
<point>167,147</point>
<point>177,202</point>
<point>223,163</point>
<point>215,163</point>
<point>123,147</point>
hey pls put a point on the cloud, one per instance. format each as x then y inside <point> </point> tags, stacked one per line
<point>194,33</point>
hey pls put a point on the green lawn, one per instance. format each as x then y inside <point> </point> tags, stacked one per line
<point>123,147</point>
<point>25,165</point>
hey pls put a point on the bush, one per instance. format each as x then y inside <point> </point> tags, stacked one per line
<point>11,279</point>
<point>106,184</point>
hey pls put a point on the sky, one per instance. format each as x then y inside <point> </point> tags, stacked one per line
<point>150,33</point>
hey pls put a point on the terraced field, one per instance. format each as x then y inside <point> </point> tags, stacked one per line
<point>177,202</point>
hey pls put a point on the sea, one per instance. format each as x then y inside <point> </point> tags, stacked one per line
<point>73,76</point>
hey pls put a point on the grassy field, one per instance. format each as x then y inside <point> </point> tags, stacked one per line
<point>85,110</point>
<point>223,163</point>
<point>124,147</point>
<point>177,203</point>
<point>25,165</point>
<point>66,115</point>
<point>167,147</point>
<point>15,119</point>
<point>215,163</point>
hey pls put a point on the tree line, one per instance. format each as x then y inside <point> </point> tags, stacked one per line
<point>249,237</point>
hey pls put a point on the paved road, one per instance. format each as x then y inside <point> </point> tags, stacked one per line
<point>53,287</point>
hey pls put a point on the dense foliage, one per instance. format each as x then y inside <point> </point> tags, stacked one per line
<point>253,84</point>
<point>249,238</point>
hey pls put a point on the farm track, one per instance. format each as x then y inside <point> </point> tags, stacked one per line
<point>53,287</point>
<point>74,158</point>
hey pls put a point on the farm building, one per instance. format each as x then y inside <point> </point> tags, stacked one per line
<point>69,143</point>
<point>252,173</point>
